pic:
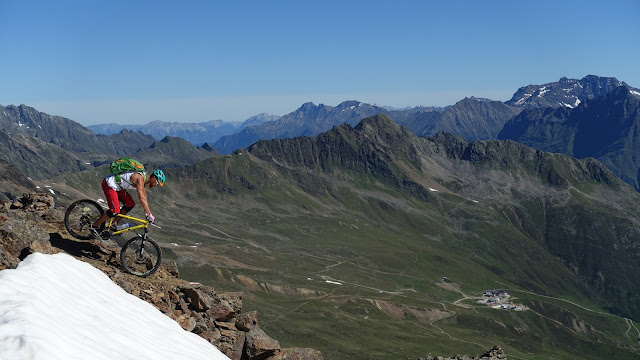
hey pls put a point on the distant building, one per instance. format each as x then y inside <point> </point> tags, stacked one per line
<point>494,293</point>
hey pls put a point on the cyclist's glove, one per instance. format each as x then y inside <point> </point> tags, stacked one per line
<point>150,218</point>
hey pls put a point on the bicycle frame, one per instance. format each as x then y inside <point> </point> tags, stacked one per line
<point>144,224</point>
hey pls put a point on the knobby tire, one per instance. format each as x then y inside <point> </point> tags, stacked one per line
<point>145,266</point>
<point>80,216</point>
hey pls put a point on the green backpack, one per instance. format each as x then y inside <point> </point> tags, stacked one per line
<point>124,165</point>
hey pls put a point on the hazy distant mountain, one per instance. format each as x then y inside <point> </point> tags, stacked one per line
<point>259,119</point>
<point>606,128</point>
<point>195,133</point>
<point>308,120</point>
<point>564,93</point>
<point>470,118</point>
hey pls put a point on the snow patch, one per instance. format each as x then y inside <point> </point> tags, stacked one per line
<point>634,92</point>
<point>432,189</point>
<point>543,90</point>
<point>333,282</point>
<point>52,192</point>
<point>57,307</point>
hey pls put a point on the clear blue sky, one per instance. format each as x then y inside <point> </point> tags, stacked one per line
<point>132,62</point>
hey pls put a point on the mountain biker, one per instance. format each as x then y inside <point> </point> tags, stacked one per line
<point>117,192</point>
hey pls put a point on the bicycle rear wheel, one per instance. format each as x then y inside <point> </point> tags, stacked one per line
<point>141,256</point>
<point>80,216</point>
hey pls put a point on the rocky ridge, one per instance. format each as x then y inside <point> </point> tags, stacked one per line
<point>32,223</point>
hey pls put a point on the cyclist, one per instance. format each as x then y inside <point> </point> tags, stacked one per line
<point>117,192</point>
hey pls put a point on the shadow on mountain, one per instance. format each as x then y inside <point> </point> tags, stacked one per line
<point>77,248</point>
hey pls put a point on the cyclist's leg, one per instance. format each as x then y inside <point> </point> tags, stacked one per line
<point>127,202</point>
<point>112,202</point>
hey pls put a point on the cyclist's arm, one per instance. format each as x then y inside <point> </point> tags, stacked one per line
<point>138,181</point>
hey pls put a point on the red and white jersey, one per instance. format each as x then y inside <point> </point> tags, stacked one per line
<point>125,181</point>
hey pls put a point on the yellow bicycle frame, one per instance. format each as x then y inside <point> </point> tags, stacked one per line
<point>144,224</point>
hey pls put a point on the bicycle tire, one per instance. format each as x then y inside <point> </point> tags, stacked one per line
<point>79,217</point>
<point>140,266</point>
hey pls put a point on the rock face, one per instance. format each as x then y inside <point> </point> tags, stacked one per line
<point>605,128</point>
<point>564,92</point>
<point>31,223</point>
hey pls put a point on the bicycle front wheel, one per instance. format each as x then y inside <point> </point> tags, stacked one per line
<point>80,216</point>
<point>141,256</point>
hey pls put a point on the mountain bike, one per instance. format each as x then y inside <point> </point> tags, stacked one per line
<point>139,256</point>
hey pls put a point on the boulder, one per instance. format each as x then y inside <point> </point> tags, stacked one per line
<point>247,321</point>
<point>259,345</point>
<point>234,299</point>
<point>200,299</point>
<point>221,312</point>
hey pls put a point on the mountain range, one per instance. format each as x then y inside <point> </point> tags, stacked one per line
<point>195,133</point>
<point>475,119</point>
<point>471,118</point>
<point>367,241</point>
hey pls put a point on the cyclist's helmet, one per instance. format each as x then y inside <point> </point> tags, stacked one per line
<point>159,174</point>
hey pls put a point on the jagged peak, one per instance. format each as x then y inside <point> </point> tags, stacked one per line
<point>379,121</point>
<point>349,103</point>
<point>206,146</point>
<point>601,78</point>
<point>307,106</point>
<point>473,99</point>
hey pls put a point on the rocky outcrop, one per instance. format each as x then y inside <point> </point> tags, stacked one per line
<point>31,223</point>
<point>495,353</point>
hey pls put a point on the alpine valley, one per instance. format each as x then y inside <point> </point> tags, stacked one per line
<point>373,233</point>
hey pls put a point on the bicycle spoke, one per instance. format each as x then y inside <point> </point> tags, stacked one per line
<point>140,257</point>
<point>80,216</point>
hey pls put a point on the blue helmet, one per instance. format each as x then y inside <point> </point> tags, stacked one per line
<point>159,174</point>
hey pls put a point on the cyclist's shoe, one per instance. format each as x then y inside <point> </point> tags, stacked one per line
<point>100,233</point>
<point>95,232</point>
<point>119,227</point>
